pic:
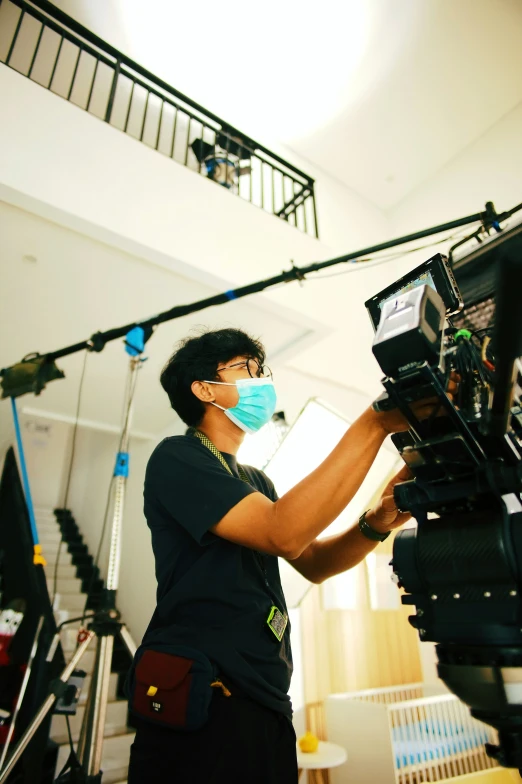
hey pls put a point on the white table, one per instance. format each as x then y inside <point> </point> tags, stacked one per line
<point>328,755</point>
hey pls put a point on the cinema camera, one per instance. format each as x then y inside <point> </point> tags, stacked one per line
<point>461,566</point>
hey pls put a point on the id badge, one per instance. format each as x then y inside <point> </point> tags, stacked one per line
<point>277,622</point>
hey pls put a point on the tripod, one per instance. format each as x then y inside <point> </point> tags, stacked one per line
<point>105,623</point>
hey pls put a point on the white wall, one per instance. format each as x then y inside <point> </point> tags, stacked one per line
<point>45,445</point>
<point>347,222</point>
<point>490,169</point>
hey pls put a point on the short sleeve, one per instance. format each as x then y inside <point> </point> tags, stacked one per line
<point>261,481</point>
<point>272,492</point>
<point>185,480</point>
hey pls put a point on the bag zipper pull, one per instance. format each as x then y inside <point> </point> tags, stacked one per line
<point>219,685</point>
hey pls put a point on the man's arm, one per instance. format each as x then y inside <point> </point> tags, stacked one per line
<point>324,558</point>
<point>288,526</point>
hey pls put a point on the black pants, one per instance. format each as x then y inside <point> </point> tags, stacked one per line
<point>242,743</point>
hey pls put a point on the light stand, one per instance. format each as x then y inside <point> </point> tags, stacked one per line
<point>105,623</point>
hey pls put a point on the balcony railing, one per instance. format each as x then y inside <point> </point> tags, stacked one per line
<point>49,47</point>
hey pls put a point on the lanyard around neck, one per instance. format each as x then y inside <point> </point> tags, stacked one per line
<point>205,440</point>
<point>210,446</point>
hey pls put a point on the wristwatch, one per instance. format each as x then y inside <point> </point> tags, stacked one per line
<point>369,532</point>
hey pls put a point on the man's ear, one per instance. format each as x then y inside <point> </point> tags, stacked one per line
<point>203,391</point>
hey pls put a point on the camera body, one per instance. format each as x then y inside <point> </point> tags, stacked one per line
<point>461,567</point>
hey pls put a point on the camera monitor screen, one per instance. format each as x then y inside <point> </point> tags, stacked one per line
<point>435,272</point>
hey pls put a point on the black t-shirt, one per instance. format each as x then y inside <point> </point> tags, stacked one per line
<point>212,594</point>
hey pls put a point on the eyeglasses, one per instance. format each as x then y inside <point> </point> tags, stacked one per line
<point>255,370</point>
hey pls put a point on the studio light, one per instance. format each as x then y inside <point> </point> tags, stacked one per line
<point>223,159</point>
<point>315,433</point>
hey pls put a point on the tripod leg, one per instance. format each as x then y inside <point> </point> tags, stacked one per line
<point>58,687</point>
<point>91,741</point>
<point>21,694</point>
<point>127,639</point>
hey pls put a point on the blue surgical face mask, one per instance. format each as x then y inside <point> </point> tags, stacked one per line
<point>256,404</point>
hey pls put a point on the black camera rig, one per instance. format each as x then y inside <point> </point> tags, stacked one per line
<point>461,566</point>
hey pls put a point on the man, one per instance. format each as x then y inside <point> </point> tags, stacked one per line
<point>217,529</point>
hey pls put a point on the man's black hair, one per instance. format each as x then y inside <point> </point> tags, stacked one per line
<point>196,359</point>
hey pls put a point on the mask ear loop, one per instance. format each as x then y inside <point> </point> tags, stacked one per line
<point>223,384</point>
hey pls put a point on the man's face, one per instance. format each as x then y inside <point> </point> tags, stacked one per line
<point>232,371</point>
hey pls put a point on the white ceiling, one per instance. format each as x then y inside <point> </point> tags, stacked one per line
<point>379,94</point>
<point>455,74</point>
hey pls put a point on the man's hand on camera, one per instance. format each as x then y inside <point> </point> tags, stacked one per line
<point>385,516</point>
<point>394,421</point>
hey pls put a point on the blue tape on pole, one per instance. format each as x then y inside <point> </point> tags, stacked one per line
<point>122,464</point>
<point>230,295</point>
<point>25,477</point>
<point>135,341</point>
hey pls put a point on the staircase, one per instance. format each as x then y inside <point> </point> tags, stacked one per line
<point>73,580</point>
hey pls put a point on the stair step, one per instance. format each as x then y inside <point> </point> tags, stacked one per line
<point>68,638</point>
<point>65,572</point>
<point>74,602</point>
<point>116,722</point>
<point>47,526</point>
<point>50,555</point>
<point>115,758</point>
<point>44,514</point>
<point>50,552</point>
<point>86,663</point>
<point>62,615</point>
<point>65,585</point>
<point>50,538</point>
<point>113,687</point>
<point>47,530</point>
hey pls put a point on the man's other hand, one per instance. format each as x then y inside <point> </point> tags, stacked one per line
<point>385,516</point>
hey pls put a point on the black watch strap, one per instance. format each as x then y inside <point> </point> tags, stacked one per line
<point>369,532</point>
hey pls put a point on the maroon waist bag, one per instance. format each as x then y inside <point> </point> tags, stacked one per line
<point>172,686</point>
